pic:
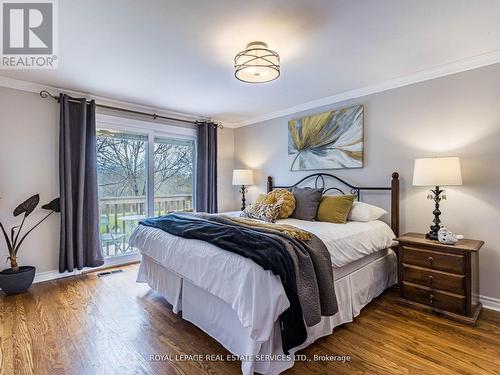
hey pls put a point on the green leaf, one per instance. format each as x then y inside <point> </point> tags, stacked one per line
<point>53,205</point>
<point>27,206</point>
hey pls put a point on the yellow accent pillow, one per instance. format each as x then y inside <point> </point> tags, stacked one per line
<point>335,208</point>
<point>284,197</point>
<point>260,198</point>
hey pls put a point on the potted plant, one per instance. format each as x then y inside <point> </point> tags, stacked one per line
<point>18,279</point>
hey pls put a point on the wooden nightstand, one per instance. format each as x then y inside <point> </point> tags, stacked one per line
<point>442,279</point>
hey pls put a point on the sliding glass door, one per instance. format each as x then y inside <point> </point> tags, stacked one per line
<point>122,187</point>
<point>140,173</point>
<point>173,175</point>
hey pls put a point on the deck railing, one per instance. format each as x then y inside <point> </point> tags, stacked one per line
<point>120,215</point>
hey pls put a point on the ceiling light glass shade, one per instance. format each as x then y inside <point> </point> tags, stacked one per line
<point>257,64</point>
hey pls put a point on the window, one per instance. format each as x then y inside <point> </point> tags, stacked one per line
<point>143,169</point>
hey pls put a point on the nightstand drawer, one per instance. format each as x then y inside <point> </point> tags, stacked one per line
<point>441,300</point>
<point>434,260</point>
<point>434,279</point>
<point>439,278</point>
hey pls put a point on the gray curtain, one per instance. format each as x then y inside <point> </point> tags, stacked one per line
<point>79,240</point>
<point>206,168</point>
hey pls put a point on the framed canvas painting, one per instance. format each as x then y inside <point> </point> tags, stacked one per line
<point>329,140</point>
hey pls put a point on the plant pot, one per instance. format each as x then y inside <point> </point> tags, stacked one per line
<point>17,282</point>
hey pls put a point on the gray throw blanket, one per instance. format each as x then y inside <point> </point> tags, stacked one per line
<point>313,270</point>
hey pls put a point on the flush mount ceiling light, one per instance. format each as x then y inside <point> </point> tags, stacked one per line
<point>257,64</point>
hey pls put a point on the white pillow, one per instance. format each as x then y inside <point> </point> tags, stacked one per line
<point>361,211</point>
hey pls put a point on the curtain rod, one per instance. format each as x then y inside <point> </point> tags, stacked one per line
<point>46,94</point>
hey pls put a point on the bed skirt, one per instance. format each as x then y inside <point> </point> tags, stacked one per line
<point>354,290</point>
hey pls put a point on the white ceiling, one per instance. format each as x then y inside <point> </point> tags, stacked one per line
<point>178,54</point>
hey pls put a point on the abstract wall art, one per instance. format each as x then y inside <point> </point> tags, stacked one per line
<point>329,140</point>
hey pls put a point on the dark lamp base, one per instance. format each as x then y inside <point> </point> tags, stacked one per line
<point>436,223</point>
<point>432,236</point>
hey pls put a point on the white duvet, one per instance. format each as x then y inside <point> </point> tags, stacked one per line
<point>257,296</point>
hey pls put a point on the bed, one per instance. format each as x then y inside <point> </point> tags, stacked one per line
<point>238,303</point>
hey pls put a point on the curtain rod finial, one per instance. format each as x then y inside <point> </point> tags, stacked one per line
<point>45,94</point>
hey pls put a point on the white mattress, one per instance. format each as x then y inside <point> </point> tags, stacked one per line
<point>340,272</point>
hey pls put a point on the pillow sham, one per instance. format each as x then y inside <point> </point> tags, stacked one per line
<point>365,212</point>
<point>284,197</point>
<point>306,203</point>
<point>261,211</point>
<point>335,208</point>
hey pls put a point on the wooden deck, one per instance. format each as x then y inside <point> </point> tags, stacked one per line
<point>111,325</point>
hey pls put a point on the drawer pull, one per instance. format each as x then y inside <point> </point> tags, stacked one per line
<point>430,279</point>
<point>431,260</point>
<point>431,298</point>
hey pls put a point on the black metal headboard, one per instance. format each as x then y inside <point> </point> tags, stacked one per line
<point>355,190</point>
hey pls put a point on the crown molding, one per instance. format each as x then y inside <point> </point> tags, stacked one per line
<point>489,58</point>
<point>36,88</point>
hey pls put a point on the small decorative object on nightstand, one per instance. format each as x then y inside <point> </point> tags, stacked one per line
<point>443,279</point>
<point>243,177</point>
<point>437,172</point>
<point>448,238</point>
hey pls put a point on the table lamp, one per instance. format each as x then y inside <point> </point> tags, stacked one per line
<point>437,172</point>
<point>243,177</point>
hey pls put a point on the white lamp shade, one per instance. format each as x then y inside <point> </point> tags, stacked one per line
<point>242,177</point>
<point>437,172</point>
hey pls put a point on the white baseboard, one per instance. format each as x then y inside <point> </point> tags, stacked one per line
<point>53,275</point>
<point>490,302</point>
<point>111,262</point>
<point>40,277</point>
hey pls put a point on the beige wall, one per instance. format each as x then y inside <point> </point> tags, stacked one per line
<point>458,115</point>
<point>225,164</point>
<point>29,165</point>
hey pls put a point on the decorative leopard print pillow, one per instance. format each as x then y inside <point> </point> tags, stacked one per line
<point>261,211</point>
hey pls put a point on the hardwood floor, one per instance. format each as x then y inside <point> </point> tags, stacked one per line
<point>111,325</point>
